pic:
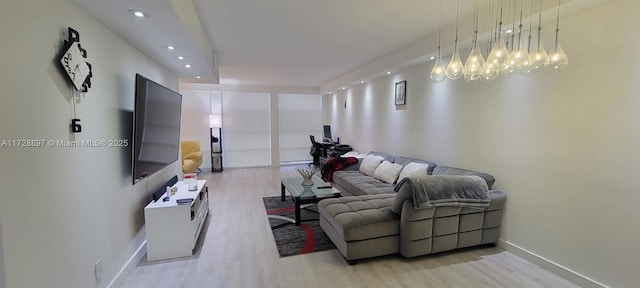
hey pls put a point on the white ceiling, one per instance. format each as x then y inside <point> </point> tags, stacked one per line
<point>309,42</point>
<point>301,43</point>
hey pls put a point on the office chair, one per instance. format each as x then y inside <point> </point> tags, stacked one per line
<point>316,150</point>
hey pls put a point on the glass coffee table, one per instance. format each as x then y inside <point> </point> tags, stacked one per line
<point>307,194</point>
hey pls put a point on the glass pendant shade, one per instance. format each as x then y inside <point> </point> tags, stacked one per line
<point>490,72</point>
<point>520,59</point>
<point>455,69</point>
<point>438,71</point>
<point>507,69</point>
<point>474,65</point>
<point>499,54</point>
<point>527,70</point>
<point>558,59</point>
<point>475,62</point>
<point>525,67</point>
<point>539,59</point>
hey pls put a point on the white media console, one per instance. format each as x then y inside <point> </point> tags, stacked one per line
<point>173,229</point>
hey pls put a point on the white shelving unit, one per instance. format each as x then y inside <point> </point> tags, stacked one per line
<point>172,229</point>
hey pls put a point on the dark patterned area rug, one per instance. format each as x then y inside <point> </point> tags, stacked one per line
<point>291,239</point>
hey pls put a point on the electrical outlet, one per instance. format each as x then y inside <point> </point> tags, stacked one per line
<point>97,269</point>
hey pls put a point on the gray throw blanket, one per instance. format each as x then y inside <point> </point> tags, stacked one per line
<point>447,190</point>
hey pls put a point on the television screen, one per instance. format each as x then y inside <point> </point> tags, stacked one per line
<point>156,127</point>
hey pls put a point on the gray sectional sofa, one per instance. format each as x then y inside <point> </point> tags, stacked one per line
<point>375,218</point>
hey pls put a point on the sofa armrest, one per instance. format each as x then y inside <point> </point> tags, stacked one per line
<point>498,200</point>
<point>403,194</point>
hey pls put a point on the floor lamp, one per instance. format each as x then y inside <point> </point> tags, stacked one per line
<point>215,121</point>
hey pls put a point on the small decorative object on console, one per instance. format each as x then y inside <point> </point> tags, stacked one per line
<point>191,179</point>
<point>307,173</point>
<point>184,201</point>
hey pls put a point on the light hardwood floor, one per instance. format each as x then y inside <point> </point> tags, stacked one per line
<point>238,250</point>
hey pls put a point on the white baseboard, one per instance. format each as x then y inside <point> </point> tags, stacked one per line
<point>564,272</point>
<point>129,266</point>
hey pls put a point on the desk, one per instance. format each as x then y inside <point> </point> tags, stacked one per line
<point>326,147</point>
<point>332,150</point>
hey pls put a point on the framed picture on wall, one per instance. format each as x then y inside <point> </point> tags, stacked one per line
<point>401,93</point>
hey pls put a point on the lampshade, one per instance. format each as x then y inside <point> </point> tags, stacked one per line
<point>215,121</point>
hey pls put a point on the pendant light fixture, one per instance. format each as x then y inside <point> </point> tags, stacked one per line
<point>499,54</point>
<point>490,70</point>
<point>507,69</point>
<point>539,59</point>
<point>438,71</point>
<point>528,70</point>
<point>475,63</point>
<point>557,58</point>
<point>520,56</point>
<point>455,69</point>
<point>506,53</point>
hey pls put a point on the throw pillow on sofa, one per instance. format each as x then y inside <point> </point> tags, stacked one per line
<point>414,169</point>
<point>387,172</point>
<point>369,164</point>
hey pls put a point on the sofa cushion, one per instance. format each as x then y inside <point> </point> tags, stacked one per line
<point>369,164</point>
<point>414,169</point>
<point>357,183</point>
<point>444,170</point>
<point>385,156</point>
<point>361,217</point>
<point>406,160</point>
<point>387,172</point>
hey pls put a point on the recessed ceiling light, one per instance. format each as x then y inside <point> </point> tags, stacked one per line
<point>362,82</point>
<point>344,88</point>
<point>187,65</point>
<point>198,77</point>
<point>432,57</point>
<point>180,57</point>
<point>171,47</point>
<point>508,31</point>
<point>388,72</point>
<point>139,14</point>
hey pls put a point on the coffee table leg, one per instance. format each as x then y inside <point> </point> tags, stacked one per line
<point>282,188</point>
<point>297,213</point>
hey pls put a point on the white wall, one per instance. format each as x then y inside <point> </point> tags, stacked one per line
<point>2,281</point>
<point>563,145</point>
<point>62,209</point>
<point>2,51</point>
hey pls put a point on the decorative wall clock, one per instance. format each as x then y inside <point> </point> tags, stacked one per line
<point>74,62</point>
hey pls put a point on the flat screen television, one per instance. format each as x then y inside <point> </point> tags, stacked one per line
<point>156,127</point>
